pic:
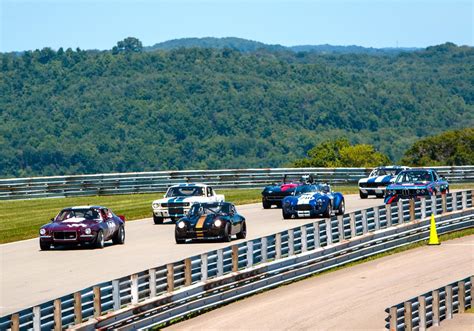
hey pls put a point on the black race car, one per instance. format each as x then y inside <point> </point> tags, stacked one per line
<point>274,194</point>
<point>218,220</point>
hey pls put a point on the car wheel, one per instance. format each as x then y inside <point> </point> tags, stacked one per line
<point>119,237</point>
<point>100,240</point>
<point>157,219</point>
<point>342,208</point>
<point>328,212</point>
<point>363,195</point>
<point>278,204</point>
<point>243,233</point>
<point>266,204</point>
<point>227,235</point>
<point>45,246</point>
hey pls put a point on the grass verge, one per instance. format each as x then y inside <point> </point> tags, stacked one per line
<point>21,219</point>
<point>444,237</point>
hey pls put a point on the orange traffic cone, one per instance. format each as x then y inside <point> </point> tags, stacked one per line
<point>433,234</point>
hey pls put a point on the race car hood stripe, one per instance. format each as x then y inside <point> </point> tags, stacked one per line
<point>200,222</point>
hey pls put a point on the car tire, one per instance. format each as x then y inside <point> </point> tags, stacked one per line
<point>227,236</point>
<point>363,195</point>
<point>342,208</point>
<point>158,219</point>
<point>179,241</point>
<point>119,237</point>
<point>328,212</point>
<point>286,216</point>
<point>100,240</point>
<point>45,246</point>
<point>278,204</point>
<point>243,233</point>
<point>266,204</point>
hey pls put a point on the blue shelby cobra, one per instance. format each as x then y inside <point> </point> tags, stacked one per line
<point>311,200</point>
<point>414,183</point>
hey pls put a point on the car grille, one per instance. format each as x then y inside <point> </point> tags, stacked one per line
<point>372,185</point>
<point>303,207</point>
<point>65,235</point>
<point>175,210</point>
<point>175,204</point>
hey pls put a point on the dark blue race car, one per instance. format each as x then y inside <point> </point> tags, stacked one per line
<point>414,183</point>
<point>311,200</point>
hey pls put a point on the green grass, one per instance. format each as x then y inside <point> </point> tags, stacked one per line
<point>21,219</point>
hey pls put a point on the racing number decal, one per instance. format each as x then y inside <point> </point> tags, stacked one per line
<point>111,225</point>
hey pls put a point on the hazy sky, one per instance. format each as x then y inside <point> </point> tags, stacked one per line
<point>100,24</point>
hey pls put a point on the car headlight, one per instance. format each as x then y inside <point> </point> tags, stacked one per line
<point>156,205</point>
<point>42,232</point>
<point>87,231</point>
<point>217,223</point>
<point>181,225</point>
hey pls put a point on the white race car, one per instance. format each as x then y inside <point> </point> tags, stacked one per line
<point>378,181</point>
<point>179,199</point>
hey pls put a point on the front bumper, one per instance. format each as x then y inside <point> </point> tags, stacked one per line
<point>208,233</point>
<point>78,239</point>
<point>305,210</point>
<point>171,212</point>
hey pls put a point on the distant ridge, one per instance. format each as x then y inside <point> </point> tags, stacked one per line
<point>245,45</point>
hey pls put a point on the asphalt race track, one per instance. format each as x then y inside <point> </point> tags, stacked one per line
<point>30,276</point>
<point>348,299</point>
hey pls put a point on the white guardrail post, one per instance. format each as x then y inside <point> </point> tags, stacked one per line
<point>377,218</point>
<point>304,238</point>
<point>422,313</point>
<point>317,239</point>
<point>249,254</point>
<point>116,294</point>
<point>407,316</point>
<point>220,262</point>
<point>152,282</point>
<point>264,249</point>
<point>435,307</point>
<point>204,258</point>
<point>328,231</point>
<point>278,246</point>
<point>78,307</point>
<point>37,318</point>
<point>423,208</point>
<point>291,242</point>
<point>134,288</point>
<point>340,227</point>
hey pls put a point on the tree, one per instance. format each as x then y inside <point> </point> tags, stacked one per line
<point>128,45</point>
<point>449,148</point>
<point>340,153</point>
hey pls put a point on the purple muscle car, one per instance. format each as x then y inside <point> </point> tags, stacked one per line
<point>84,225</point>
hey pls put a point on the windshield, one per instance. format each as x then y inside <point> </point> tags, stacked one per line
<point>414,176</point>
<point>185,191</point>
<point>312,188</point>
<point>88,214</point>
<point>215,208</point>
<point>385,172</point>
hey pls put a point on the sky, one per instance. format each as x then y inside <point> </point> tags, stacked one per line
<point>99,24</point>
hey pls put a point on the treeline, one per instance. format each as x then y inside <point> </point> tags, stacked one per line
<point>451,148</point>
<point>74,111</point>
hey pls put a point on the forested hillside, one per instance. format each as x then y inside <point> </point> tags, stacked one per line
<point>72,112</point>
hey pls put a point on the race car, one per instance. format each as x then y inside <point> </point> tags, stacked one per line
<point>414,183</point>
<point>89,225</point>
<point>273,195</point>
<point>378,180</point>
<point>179,199</point>
<point>218,220</point>
<point>311,200</point>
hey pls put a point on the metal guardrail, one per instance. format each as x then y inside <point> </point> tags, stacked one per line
<point>430,308</point>
<point>158,181</point>
<point>163,280</point>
